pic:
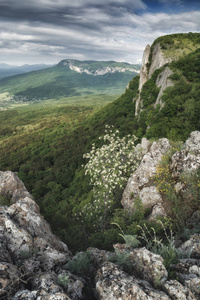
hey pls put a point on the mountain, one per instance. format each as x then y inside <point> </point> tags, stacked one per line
<point>96,68</point>
<point>70,78</point>
<point>167,103</point>
<point>8,70</point>
<point>45,143</point>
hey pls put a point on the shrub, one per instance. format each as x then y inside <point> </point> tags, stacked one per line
<point>5,200</point>
<point>122,259</point>
<point>109,168</point>
<point>63,280</point>
<point>80,264</point>
<point>130,240</point>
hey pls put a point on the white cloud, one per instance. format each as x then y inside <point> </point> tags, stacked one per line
<point>91,33</point>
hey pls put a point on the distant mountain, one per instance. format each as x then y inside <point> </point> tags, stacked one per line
<point>96,68</point>
<point>8,70</point>
<point>70,78</point>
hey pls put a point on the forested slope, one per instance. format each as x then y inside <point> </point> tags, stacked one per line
<point>49,158</point>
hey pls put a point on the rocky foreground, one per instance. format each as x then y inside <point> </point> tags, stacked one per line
<point>35,264</point>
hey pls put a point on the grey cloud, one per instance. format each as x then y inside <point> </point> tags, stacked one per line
<point>183,22</point>
<point>48,30</point>
<point>50,10</point>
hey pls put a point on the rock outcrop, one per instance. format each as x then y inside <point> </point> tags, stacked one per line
<point>84,67</point>
<point>30,254</point>
<point>143,77</point>
<point>144,68</point>
<point>140,185</point>
<point>148,278</point>
<point>163,82</point>
<point>158,60</point>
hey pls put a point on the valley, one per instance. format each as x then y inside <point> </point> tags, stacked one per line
<point>44,141</point>
<point>69,78</point>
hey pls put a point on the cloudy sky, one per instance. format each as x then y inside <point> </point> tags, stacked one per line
<point>46,31</point>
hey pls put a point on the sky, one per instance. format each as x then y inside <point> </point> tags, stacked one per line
<point>47,31</point>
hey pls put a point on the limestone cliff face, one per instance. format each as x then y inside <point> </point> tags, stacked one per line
<point>144,69</point>
<point>158,60</point>
<point>84,68</point>
<point>163,82</point>
<point>143,77</point>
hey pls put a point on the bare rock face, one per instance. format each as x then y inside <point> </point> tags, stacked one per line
<point>28,246</point>
<point>157,211</point>
<point>12,187</point>
<point>149,265</point>
<point>147,278</point>
<point>192,246</point>
<point>184,161</point>
<point>143,77</point>
<point>188,273</point>
<point>144,69</point>
<point>9,278</point>
<point>158,60</point>
<point>193,142</point>
<point>176,291</point>
<point>163,82</point>
<point>113,284</point>
<point>139,184</point>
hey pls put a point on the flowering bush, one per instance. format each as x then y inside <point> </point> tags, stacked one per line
<point>109,168</point>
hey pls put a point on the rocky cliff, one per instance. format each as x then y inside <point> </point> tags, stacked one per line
<point>89,69</point>
<point>35,264</point>
<point>140,184</point>
<point>153,59</point>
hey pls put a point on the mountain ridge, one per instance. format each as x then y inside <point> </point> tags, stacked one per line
<point>70,78</point>
<point>96,68</point>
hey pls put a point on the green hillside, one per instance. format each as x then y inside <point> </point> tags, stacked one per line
<point>178,45</point>
<point>45,142</point>
<point>181,111</point>
<point>61,81</point>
